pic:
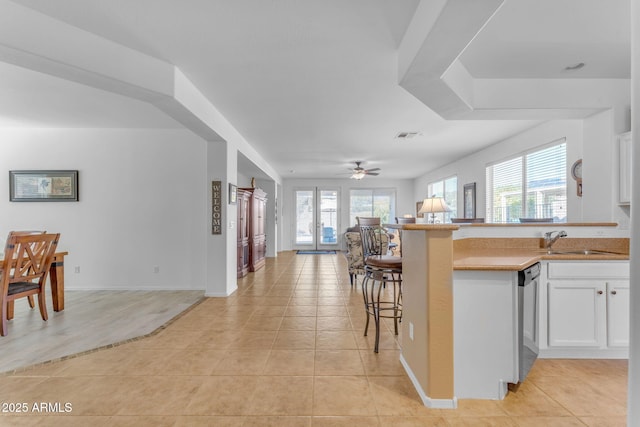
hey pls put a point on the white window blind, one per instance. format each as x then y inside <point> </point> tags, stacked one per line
<point>532,186</point>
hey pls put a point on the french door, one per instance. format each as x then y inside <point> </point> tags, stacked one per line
<point>317,218</point>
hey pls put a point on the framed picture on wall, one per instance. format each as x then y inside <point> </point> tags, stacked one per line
<point>418,207</point>
<point>233,194</point>
<point>470,200</point>
<point>43,186</point>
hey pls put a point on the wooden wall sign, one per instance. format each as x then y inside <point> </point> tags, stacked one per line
<point>216,207</point>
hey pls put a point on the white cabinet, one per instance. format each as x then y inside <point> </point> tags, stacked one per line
<point>624,168</point>
<point>484,333</point>
<point>618,313</point>
<point>576,313</point>
<point>587,308</point>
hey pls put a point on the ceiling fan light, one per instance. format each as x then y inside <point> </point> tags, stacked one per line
<point>358,175</point>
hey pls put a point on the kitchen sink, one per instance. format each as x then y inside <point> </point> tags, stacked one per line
<point>580,252</point>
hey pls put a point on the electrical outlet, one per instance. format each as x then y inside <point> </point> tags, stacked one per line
<point>156,269</point>
<point>411,331</point>
<point>77,269</point>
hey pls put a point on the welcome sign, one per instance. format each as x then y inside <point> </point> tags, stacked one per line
<point>216,207</point>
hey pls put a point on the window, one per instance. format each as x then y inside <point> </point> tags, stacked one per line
<point>448,189</point>
<point>533,185</point>
<point>372,203</point>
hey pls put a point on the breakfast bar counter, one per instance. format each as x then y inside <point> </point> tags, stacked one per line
<point>520,253</point>
<point>484,270</point>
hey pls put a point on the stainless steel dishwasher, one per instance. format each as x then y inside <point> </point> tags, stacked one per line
<point>528,281</point>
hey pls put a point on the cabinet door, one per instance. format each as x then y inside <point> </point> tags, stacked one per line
<point>576,313</point>
<point>618,313</point>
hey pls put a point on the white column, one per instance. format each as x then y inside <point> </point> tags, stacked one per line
<point>633,404</point>
<point>221,248</point>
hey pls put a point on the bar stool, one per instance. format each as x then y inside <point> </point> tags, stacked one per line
<point>382,283</point>
<point>403,220</point>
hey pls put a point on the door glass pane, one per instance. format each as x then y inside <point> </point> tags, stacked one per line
<point>328,217</point>
<point>304,217</point>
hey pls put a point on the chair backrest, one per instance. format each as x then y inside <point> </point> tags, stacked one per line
<point>27,257</point>
<point>405,220</point>
<point>355,256</point>
<point>370,231</point>
<point>363,220</point>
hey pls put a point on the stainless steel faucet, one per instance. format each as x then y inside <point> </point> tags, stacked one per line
<point>550,239</point>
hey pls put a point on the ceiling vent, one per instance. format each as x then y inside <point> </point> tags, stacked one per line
<point>407,135</point>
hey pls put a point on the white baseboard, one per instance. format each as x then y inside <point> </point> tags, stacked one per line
<point>426,400</point>
<point>217,294</point>
<point>583,353</point>
<point>128,288</point>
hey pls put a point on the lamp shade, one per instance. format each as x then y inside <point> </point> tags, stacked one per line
<point>434,205</point>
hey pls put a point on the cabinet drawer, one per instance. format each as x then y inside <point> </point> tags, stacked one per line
<point>588,270</point>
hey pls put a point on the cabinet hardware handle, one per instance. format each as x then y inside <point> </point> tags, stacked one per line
<point>613,292</point>
<point>600,292</point>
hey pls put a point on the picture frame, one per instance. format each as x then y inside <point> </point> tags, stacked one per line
<point>418,207</point>
<point>470,200</point>
<point>233,194</point>
<point>43,186</point>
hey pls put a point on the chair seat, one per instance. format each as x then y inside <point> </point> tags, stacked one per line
<point>17,288</point>
<point>384,261</point>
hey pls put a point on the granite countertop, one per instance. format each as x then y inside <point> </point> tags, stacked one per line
<point>518,254</point>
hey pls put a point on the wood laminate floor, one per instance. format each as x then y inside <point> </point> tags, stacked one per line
<point>287,349</point>
<point>91,319</point>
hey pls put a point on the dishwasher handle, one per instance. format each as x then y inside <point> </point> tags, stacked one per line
<point>529,274</point>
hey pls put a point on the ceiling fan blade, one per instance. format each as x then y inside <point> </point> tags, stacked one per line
<point>373,170</point>
<point>372,173</point>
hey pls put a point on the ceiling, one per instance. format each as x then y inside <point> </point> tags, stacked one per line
<point>313,85</point>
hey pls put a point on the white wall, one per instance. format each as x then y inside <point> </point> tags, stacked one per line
<point>592,138</point>
<point>405,202</point>
<point>633,409</point>
<point>600,166</point>
<point>143,203</point>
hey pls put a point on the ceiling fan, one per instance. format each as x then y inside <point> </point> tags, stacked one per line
<point>359,172</point>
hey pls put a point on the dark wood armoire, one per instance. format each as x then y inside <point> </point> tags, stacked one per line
<point>242,201</point>
<point>252,243</point>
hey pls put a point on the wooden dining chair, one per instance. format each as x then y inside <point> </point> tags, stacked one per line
<point>25,232</point>
<point>23,272</point>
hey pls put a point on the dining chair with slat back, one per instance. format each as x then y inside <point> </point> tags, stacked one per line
<point>23,272</point>
<point>25,232</point>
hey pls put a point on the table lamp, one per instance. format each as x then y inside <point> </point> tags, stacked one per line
<point>434,205</point>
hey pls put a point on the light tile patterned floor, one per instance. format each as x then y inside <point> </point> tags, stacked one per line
<point>288,349</point>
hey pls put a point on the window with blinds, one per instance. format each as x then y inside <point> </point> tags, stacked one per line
<point>530,186</point>
<point>447,189</point>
